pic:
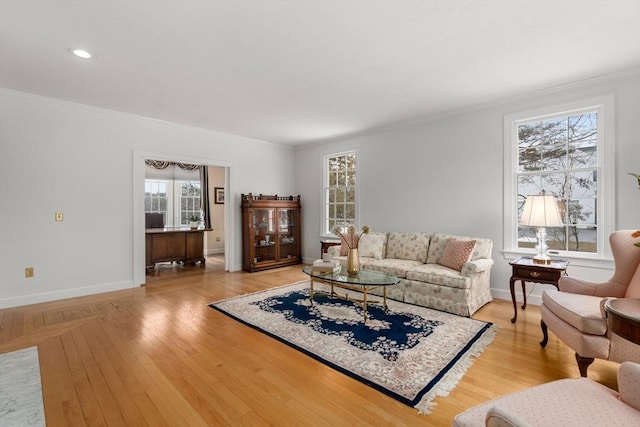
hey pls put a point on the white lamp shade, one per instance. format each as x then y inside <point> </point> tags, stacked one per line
<point>541,211</point>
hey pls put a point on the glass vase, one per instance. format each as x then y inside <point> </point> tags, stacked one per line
<point>353,262</point>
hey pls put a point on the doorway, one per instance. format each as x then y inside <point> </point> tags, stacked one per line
<point>216,241</point>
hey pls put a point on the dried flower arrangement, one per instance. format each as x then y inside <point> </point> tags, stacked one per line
<point>350,238</point>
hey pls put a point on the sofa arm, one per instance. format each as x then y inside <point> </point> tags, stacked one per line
<point>334,251</point>
<point>477,266</point>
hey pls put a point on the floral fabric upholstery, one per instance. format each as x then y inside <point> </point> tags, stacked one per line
<point>411,246</point>
<point>335,251</point>
<point>567,402</point>
<point>429,284</point>
<point>343,260</point>
<point>373,245</point>
<point>439,275</point>
<point>439,242</point>
<point>394,267</point>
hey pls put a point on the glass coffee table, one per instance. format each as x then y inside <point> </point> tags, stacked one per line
<point>364,281</point>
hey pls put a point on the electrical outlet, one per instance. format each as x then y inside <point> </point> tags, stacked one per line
<point>28,272</point>
<point>59,216</point>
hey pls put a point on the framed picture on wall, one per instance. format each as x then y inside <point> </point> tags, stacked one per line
<point>219,195</point>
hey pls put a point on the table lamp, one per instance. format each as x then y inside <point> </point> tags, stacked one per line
<point>541,211</point>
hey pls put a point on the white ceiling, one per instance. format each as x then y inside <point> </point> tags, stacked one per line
<point>294,72</point>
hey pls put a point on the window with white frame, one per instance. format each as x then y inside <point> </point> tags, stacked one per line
<point>566,152</point>
<point>339,191</point>
<point>189,201</point>
<point>156,196</point>
<point>177,200</point>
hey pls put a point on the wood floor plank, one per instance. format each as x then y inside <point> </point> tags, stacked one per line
<point>159,356</point>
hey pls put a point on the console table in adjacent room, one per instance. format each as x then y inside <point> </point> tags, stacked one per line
<point>174,244</point>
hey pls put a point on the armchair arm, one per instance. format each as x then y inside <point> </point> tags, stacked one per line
<point>477,266</point>
<point>501,417</point>
<point>577,286</point>
<point>603,311</point>
<point>629,384</point>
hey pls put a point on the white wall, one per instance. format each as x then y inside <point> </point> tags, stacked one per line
<point>215,238</point>
<point>446,174</point>
<point>60,156</point>
<point>441,175</point>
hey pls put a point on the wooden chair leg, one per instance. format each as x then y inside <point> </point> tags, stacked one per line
<point>545,334</point>
<point>583,364</point>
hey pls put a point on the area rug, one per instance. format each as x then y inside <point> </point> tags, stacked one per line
<point>410,353</point>
<point>20,389</point>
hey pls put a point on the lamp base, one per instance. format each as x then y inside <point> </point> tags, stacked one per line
<point>542,259</point>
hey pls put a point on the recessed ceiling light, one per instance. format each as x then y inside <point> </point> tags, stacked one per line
<point>81,53</point>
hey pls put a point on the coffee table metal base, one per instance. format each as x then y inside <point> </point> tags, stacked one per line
<point>357,288</point>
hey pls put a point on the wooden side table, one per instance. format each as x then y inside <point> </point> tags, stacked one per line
<point>623,318</point>
<point>525,270</point>
<point>326,244</point>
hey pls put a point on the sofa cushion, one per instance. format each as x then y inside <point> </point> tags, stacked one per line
<point>438,275</point>
<point>394,267</point>
<point>373,245</point>
<point>364,261</point>
<point>457,253</point>
<point>408,245</point>
<point>439,242</point>
<point>580,311</point>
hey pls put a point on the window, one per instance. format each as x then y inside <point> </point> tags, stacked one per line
<point>566,152</point>
<point>189,200</point>
<point>156,197</point>
<point>339,191</point>
<point>177,200</point>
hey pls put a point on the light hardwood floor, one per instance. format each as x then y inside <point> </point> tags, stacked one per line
<point>159,356</point>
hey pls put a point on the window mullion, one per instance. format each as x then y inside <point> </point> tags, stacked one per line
<point>575,176</point>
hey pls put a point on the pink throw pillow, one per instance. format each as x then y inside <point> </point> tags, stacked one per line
<point>457,253</point>
<point>344,249</point>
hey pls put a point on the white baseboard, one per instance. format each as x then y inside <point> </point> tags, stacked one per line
<point>214,251</point>
<point>533,299</point>
<point>64,294</point>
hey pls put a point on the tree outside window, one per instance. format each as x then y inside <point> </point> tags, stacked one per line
<point>189,201</point>
<point>559,156</point>
<point>340,191</point>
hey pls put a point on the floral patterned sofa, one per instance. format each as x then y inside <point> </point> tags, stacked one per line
<point>433,271</point>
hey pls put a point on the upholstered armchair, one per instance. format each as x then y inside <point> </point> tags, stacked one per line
<point>575,312</point>
<point>565,402</point>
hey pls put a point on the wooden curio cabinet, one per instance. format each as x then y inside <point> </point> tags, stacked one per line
<point>270,231</point>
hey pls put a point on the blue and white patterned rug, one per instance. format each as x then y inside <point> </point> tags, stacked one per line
<point>410,353</point>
